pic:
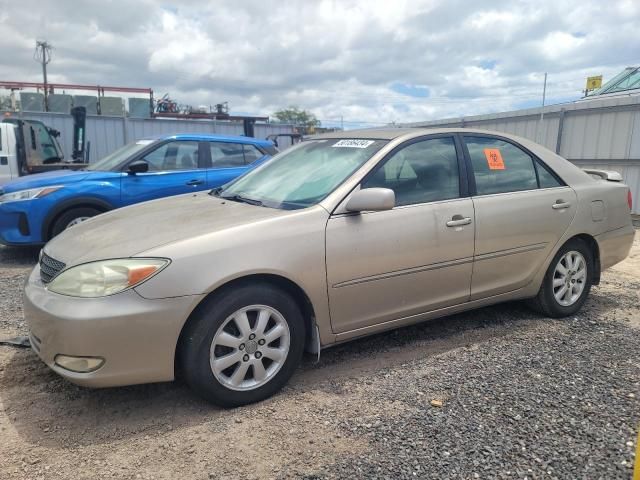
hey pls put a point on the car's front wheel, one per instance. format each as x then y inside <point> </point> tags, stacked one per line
<point>72,217</point>
<point>567,282</point>
<point>242,345</point>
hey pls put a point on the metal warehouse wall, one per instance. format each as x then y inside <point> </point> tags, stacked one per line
<point>598,133</point>
<point>106,134</point>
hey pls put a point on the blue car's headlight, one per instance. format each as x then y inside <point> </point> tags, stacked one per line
<point>29,194</point>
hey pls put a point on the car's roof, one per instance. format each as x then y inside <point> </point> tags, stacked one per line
<point>205,137</point>
<point>391,133</point>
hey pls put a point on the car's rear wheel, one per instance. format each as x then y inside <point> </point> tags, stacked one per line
<point>242,345</point>
<point>71,218</point>
<point>567,282</point>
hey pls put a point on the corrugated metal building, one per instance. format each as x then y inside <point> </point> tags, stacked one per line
<point>602,132</point>
<point>105,134</point>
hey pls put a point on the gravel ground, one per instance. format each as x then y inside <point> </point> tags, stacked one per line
<point>496,393</point>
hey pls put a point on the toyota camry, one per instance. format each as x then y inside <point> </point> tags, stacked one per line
<point>341,236</point>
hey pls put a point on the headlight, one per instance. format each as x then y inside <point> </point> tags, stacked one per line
<point>99,279</point>
<point>28,194</point>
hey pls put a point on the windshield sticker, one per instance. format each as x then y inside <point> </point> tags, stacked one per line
<point>354,143</point>
<point>494,159</point>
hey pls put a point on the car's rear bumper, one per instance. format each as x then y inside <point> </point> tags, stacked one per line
<point>135,336</point>
<point>615,245</point>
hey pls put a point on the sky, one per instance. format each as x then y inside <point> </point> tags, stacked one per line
<point>362,62</point>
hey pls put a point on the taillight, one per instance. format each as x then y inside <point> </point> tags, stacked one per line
<point>629,199</point>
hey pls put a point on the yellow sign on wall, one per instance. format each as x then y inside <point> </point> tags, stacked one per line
<point>594,83</point>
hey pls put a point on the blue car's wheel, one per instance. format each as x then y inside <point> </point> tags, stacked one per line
<point>72,217</point>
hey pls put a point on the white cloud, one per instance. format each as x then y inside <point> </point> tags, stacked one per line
<point>336,58</point>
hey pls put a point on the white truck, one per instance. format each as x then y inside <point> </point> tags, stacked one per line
<point>29,146</point>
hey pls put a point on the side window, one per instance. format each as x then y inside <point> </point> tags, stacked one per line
<point>225,155</point>
<point>251,153</point>
<point>500,166</point>
<point>425,171</point>
<point>173,156</point>
<point>546,179</point>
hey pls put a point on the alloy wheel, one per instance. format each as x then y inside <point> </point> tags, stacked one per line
<point>76,221</point>
<point>569,278</point>
<point>250,347</point>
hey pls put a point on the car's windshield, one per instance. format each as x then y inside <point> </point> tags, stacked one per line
<point>304,175</point>
<point>114,159</point>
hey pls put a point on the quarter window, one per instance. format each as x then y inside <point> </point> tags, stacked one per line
<point>499,166</point>
<point>173,156</point>
<point>225,155</point>
<point>425,171</point>
<point>251,153</point>
<point>546,179</point>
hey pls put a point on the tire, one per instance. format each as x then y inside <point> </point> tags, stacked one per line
<point>547,301</point>
<point>66,218</point>
<point>213,338</point>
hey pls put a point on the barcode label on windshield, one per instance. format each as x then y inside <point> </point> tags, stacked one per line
<point>353,143</point>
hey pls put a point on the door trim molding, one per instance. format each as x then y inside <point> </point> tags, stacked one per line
<point>511,251</point>
<point>406,271</point>
<point>436,266</point>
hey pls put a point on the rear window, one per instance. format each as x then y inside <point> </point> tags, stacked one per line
<point>499,166</point>
<point>225,155</point>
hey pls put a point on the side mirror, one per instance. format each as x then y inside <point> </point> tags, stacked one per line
<point>139,166</point>
<point>371,199</point>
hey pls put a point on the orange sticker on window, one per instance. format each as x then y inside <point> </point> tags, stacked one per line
<point>494,159</point>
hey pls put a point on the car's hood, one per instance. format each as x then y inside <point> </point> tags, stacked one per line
<point>47,179</point>
<point>129,231</point>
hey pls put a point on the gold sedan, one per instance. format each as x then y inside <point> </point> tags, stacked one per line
<point>341,236</point>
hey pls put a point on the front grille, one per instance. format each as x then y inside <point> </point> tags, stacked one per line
<point>49,267</point>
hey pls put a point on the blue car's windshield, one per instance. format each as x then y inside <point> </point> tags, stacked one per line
<point>114,159</point>
<point>304,175</point>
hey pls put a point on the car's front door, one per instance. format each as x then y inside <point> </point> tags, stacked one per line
<point>174,168</point>
<point>417,257</point>
<point>522,210</point>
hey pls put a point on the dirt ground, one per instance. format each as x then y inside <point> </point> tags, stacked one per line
<point>365,410</point>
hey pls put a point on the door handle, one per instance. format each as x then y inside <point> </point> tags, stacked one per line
<point>458,221</point>
<point>560,204</point>
<point>195,182</point>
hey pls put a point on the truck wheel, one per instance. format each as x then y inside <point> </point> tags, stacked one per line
<point>72,217</point>
<point>567,282</point>
<point>242,345</point>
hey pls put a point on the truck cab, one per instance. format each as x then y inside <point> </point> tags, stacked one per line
<point>8,155</point>
<point>29,146</point>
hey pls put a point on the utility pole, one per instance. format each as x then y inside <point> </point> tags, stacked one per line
<point>341,122</point>
<point>544,94</point>
<point>42,55</point>
<point>540,123</point>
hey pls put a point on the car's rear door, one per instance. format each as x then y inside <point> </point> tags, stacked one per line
<point>228,160</point>
<point>522,210</point>
<point>417,257</point>
<point>174,168</point>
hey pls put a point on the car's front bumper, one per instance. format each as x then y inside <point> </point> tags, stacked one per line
<point>136,337</point>
<point>17,225</point>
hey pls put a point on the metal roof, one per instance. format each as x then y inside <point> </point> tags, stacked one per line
<point>628,79</point>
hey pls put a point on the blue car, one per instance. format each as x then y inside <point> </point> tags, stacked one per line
<point>35,208</point>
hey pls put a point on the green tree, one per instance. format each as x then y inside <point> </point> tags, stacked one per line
<point>297,116</point>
